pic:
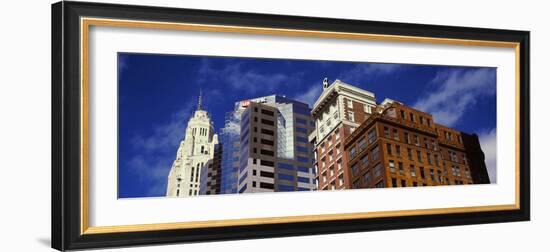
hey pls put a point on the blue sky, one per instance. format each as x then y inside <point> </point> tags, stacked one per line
<point>158,93</point>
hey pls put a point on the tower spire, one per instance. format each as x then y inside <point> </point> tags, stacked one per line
<point>199,106</point>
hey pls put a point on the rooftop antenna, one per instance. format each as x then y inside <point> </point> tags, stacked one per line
<point>199,106</point>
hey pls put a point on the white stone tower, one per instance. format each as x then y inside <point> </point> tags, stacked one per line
<point>193,153</point>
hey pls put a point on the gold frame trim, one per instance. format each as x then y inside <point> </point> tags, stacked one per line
<point>85,24</point>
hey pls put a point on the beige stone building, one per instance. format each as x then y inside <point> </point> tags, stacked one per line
<point>194,153</point>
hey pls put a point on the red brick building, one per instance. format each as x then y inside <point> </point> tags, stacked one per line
<point>399,146</point>
<point>337,113</point>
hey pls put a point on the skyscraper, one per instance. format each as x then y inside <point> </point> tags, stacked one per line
<point>275,154</point>
<point>210,178</point>
<point>338,111</point>
<point>230,140</point>
<point>196,150</point>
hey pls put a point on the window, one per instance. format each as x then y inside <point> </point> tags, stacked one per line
<point>268,122</point>
<point>403,114</point>
<point>416,140</point>
<point>429,123</point>
<point>301,121</point>
<point>341,179</point>
<point>356,184</point>
<point>302,149</point>
<point>386,132</point>
<point>372,136</point>
<point>394,182</point>
<point>367,108</point>
<point>412,170</point>
<point>202,149</point>
<point>395,134</point>
<point>302,180</point>
<point>351,116</point>
<point>285,166</point>
<point>421,120</point>
<point>264,185</point>
<point>380,184</point>
<point>388,149</point>
<point>429,158</point>
<point>407,138</point>
<point>301,139</point>
<point>426,143</point>
<point>403,183</point>
<point>434,145</point>
<point>365,161</point>
<point>266,152</point>
<point>267,112</point>
<point>411,116</point>
<point>378,170</point>
<point>352,152</point>
<point>401,171</point>
<point>350,103</point>
<point>302,130</point>
<point>410,154</point>
<point>267,132</point>
<point>355,168</point>
<point>419,156</point>
<point>362,144</point>
<point>422,175</point>
<point>375,153</point>
<point>331,170</point>
<point>253,183</point>
<point>267,142</point>
<point>267,163</point>
<point>366,178</point>
<point>432,176</point>
<point>436,158</point>
<point>392,166</point>
<point>398,150</point>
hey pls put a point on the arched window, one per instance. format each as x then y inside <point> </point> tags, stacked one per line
<point>202,149</point>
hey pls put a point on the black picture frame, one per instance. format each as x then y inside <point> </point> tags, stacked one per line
<point>66,125</point>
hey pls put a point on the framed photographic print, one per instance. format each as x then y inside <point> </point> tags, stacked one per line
<point>179,125</point>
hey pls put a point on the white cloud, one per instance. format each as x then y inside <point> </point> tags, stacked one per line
<point>247,81</point>
<point>456,92</point>
<point>233,127</point>
<point>156,151</point>
<point>488,142</point>
<point>365,71</point>
<point>311,95</point>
